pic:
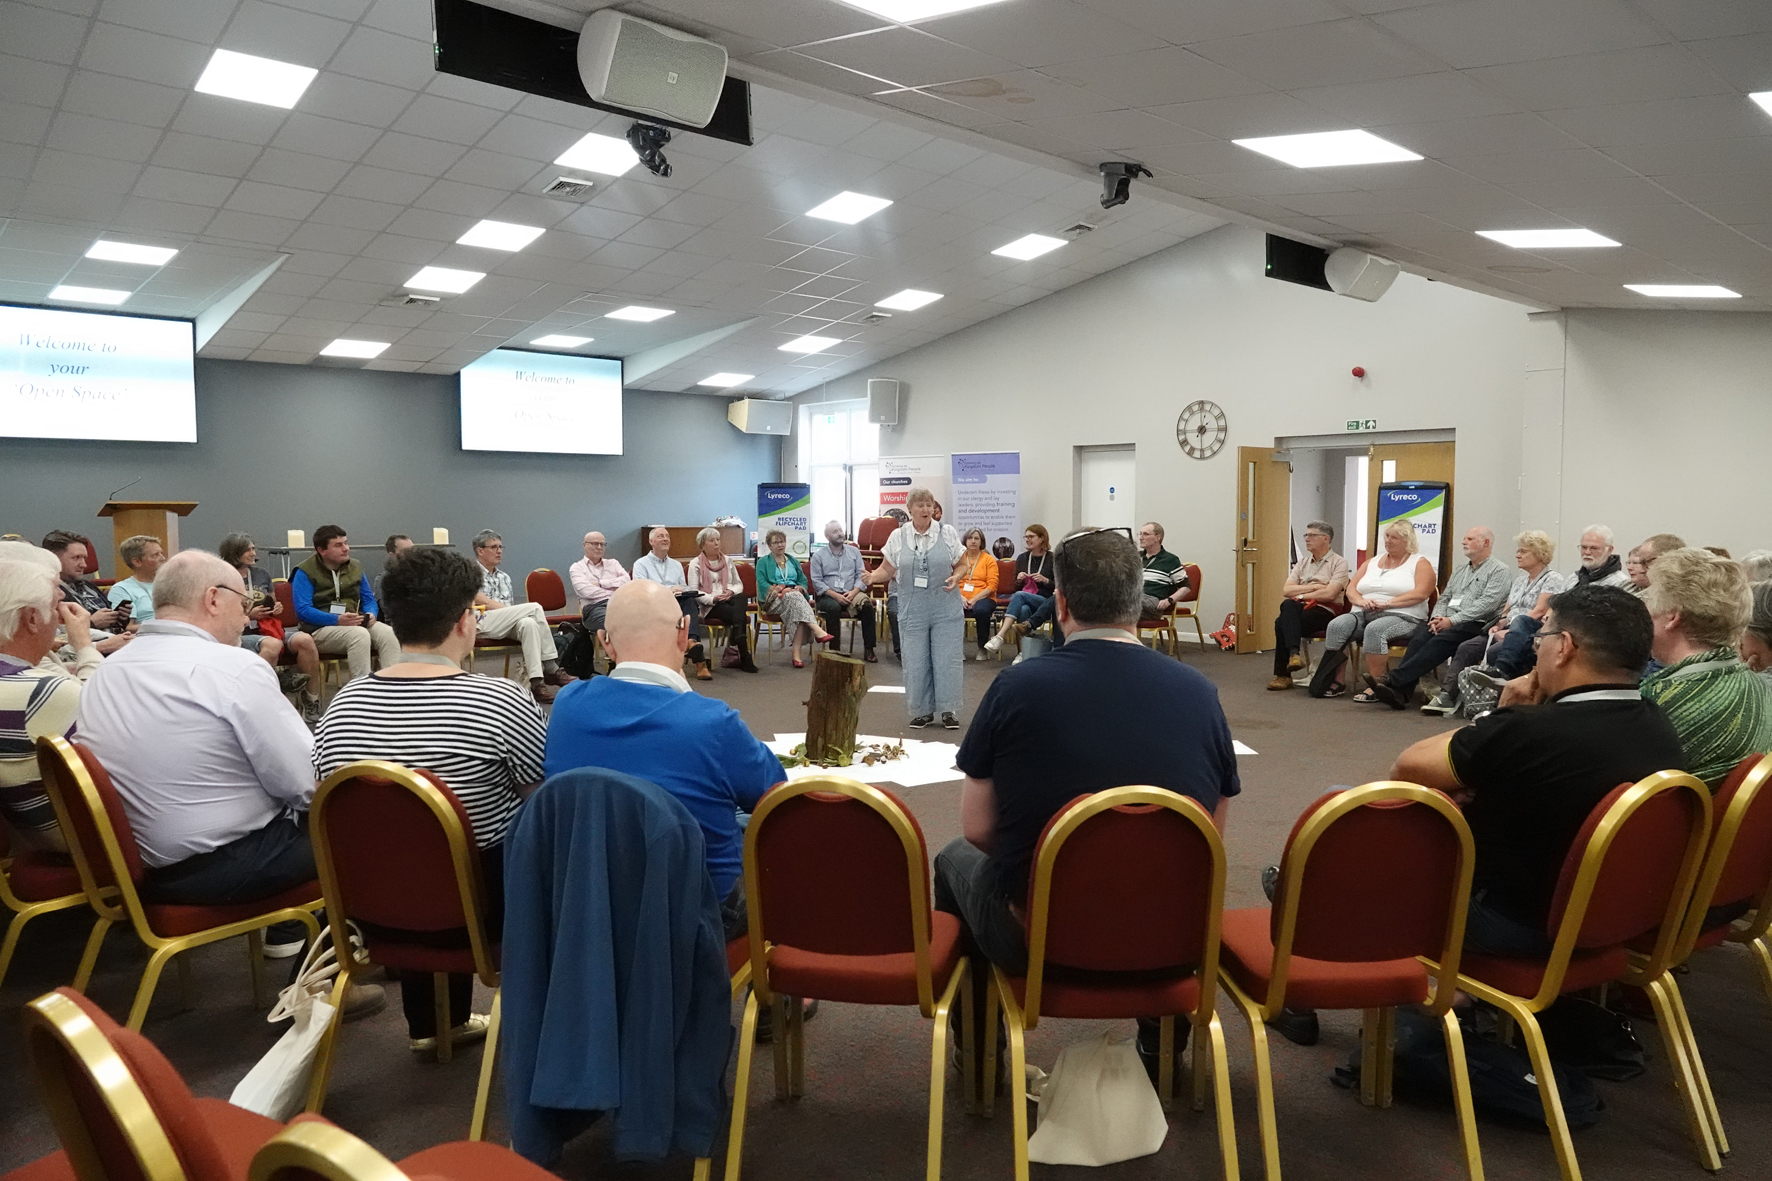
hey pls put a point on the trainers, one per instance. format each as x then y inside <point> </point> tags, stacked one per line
<point>282,951</point>
<point>1486,679</point>
<point>925,720</point>
<point>949,722</point>
<point>364,1000</point>
<point>1439,705</point>
<point>466,1034</point>
<point>994,644</point>
<point>310,710</point>
<point>1280,683</point>
<point>291,680</point>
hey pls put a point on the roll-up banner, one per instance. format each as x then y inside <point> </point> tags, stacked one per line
<point>787,507</point>
<point>987,495</point>
<point>1424,504</point>
<point>900,473</point>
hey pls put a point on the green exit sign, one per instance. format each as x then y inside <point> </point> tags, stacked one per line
<point>1362,424</point>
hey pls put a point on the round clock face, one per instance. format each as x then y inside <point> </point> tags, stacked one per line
<point>1201,429</point>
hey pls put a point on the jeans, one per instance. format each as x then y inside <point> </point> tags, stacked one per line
<point>261,864</point>
<point>1026,606</point>
<point>981,612</point>
<point>966,886</point>
<point>834,610</point>
<point>1427,648</point>
<point>1490,932</point>
<point>1515,656</point>
<point>1294,621</point>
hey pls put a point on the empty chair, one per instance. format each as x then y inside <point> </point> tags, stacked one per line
<point>547,590</point>
<point>1371,878</point>
<point>313,1150</point>
<point>32,883</point>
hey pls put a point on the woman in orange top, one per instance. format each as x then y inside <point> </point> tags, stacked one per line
<point>977,576</point>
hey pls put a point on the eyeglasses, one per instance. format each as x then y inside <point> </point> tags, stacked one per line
<point>1544,635</point>
<point>1123,530</point>
<point>245,599</point>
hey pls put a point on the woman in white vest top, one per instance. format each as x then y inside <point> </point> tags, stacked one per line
<point>1389,594</point>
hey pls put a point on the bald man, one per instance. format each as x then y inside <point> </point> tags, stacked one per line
<point>594,579</point>
<point>642,719</point>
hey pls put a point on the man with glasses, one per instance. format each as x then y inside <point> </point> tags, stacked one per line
<point>1317,583</point>
<point>594,579</point>
<point>505,617</point>
<point>1164,579</point>
<point>213,766</point>
<point>1528,774</point>
<point>1643,557</point>
<point>1600,563</point>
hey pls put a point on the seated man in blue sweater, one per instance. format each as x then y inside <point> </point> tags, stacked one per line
<point>642,719</point>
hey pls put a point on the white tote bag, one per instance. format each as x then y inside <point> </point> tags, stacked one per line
<point>1097,1107</point>
<point>277,1086</point>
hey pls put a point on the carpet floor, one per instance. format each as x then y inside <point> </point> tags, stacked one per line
<point>864,1113</point>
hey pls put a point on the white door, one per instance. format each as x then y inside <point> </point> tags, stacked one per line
<point>1107,487</point>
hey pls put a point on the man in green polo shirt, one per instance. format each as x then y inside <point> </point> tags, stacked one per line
<point>1164,579</point>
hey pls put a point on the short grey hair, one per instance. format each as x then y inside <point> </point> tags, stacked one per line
<point>485,538</point>
<point>1710,593</point>
<point>24,584</point>
<point>1603,532</point>
<point>180,584</point>
<point>1156,528</point>
<point>702,536</point>
<point>1757,565</point>
<point>24,551</point>
<point>1323,527</point>
<point>132,548</point>
<point>916,495</point>
<point>837,525</point>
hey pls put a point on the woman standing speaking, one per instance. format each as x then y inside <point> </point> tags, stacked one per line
<point>923,559</point>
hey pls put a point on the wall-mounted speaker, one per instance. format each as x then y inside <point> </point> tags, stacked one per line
<point>641,66</point>
<point>883,401</point>
<point>754,416</point>
<point>1354,273</point>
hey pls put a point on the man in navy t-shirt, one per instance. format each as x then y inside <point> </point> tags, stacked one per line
<point>1103,711</point>
<point>642,719</point>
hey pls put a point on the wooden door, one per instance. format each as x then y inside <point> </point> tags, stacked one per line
<point>1415,461</point>
<point>1264,509</point>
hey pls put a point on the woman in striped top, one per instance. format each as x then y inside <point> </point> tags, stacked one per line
<point>483,736</point>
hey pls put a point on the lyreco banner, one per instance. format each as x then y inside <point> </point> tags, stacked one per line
<point>987,495</point>
<point>900,473</point>
<point>787,507</point>
<point>1423,504</point>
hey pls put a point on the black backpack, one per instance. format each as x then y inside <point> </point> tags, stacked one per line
<point>578,651</point>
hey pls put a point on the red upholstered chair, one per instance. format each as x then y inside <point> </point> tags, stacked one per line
<point>396,851</point>
<point>1187,606</point>
<point>121,1110</point>
<point>837,887</point>
<point>1629,872</point>
<point>1371,878</point>
<point>747,575</point>
<point>870,538</point>
<point>545,589</point>
<point>1123,921</point>
<point>109,864</point>
<point>331,667</point>
<point>314,1150</point>
<point>1737,873</point>
<point>32,883</point>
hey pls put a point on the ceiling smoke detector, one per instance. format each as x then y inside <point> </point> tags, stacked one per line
<point>411,299</point>
<point>575,188</point>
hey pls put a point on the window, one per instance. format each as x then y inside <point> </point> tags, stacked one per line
<point>839,457</point>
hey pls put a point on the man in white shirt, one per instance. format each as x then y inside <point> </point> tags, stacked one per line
<point>505,617</point>
<point>213,766</point>
<point>594,579</point>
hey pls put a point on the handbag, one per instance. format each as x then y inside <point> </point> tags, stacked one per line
<point>1097,1107</point>
<point>732,657</point>
<point>277,1085</point>
<point>1226,636</point>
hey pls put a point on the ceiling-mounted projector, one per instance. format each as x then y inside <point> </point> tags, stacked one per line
<point>641,66</point>
<point>1359,275</point>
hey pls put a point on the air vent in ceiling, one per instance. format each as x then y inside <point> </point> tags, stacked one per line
<point>876,317</point>
<point>574,188</point>
<point>1074,232</point>
<point>411,299</point>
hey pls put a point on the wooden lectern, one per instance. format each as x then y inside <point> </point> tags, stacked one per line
<point>156,518</point>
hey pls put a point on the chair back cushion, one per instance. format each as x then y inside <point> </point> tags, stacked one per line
<point>544,589</point>
<point>85,835</point>
<point>1378,883</point>
<point>747,575</point>
<point>285,604</point>
<point>391,856</point>
<point>873,533</point>
<point>1640,870</point>
<point>1006,577</point>
<point>1129,891</point>
<point>834,877</point>
<point>1749,865</point>
<point>1191,592</point>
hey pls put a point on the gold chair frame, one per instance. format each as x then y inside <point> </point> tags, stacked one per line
<point>323,1150</point>
<point>790,1038</point>
<point>1378,1029</point>
<point>122,902</point>
<point>1026,1016</point>
<point>1651,972</point>
<point>1724,831</point>
<point>55,1016</point>
<point>471,887</point>
<point>23,912</point>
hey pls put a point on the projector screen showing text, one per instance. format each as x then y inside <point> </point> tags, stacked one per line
<point>83,375</point>
<point>513,400</point>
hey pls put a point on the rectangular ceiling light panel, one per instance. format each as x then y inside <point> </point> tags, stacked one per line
<point>1764,98</point>
<point>809,344</point>
<point>556,341</point>
<point>848,208</point>
<point>908,300</point>
<point>147,256</point>
<point>1682,291</point>
<point>1328,149</point>
<point>644,315</point>
<point>364,349</point>
<point>445,279</point>
<point>1547,239</point>
<point>602,154</point>
<point>500,235</point>
<point>1031,246</point>
<point>905,12</point>
<point>255,79</point>
<point>103,295</point>
<point>722,381</point>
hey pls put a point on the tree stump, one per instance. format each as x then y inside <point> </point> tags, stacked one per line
<point>834,709</point>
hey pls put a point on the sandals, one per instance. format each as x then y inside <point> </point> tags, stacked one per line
<point>1368,697</point>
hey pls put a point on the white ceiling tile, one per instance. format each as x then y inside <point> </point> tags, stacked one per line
<point>946,110</point>
<point>1153,77</point>
<point>43,35</point>
<point>531,138</point>
<point>226,118</point>
<point>1479,136</point>
<point>146,57</point>
<point>348,10</point>
<point>1042,32</point>
<point>193,20</point>
<point>147,214</point>
<point>320,136</point>
<point>411,153</point>
<point>398,16</point>
<point>74,170</point>
<point>284,34</point>
<point>121,98</point>
<point>1121,130</point>
<point>102,137</point>
<point>1421,97</point>
<point>1323,54</point>
<point>779,22</point>
<point>1744,60</point>
<point>235,226</point>
<point>297,170</point>
<point>492,169</point>
<point>190,188</point>
<point>1490,32</point>
<point>1266,113</point>
<point>1691,21</point>
<point>382,184</point>
<point>1509,167</point>
<point>23,124</point>
<point>355,213</point>
<point>276,200</point>
<point>1662,121</point>
<point>907,57</point>
<point>25,80</point>
<point>355,100</point>
<point>382,57</point>
<point>1595,79</point>
<point>1202,20</point>
<point>448,196</point>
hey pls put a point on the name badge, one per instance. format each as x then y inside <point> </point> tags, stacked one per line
<point>966,586</point>
<point>919,582</point>
<point>1453,603</point>
<point>337,608</point>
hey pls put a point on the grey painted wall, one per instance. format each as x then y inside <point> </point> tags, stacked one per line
<point>285,447</point>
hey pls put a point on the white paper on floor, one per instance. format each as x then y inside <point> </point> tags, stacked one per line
<point>1241,749</point>
<point>924,762</point>
<point>886,689</point>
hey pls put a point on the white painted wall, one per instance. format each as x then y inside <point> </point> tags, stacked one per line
<point>1665,424</point>
<point>1117,357</point>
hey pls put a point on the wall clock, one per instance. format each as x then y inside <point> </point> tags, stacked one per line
<point>1201,429</point>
